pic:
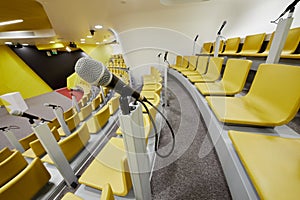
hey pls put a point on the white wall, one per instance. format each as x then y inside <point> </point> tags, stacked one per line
<point>173,28</point>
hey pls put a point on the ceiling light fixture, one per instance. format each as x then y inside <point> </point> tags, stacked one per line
<point>68,49</point>
<point>89,36</point>
<point>11,22</point>
<point>52,42</point>
<point>8,43</point>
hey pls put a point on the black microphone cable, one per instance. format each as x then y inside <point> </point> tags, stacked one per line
<point>155,128</point>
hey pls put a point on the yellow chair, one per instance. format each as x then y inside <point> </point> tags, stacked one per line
<point>5,153</point>
<point>26,140</point>
<point>109,167</point>
<point>36,148</point>
<point>178,62</point>
<point>221,47</point>
<point>73,144</point>
<point>107,193</point>
<point>291,42</point>
<point>11,166</point>
<point>113,104</point>
<point>273,99</point>
<point>200,68</point>
<point>233,81</point>
<point>206,48</point>
<point>213,72</point>
<point>27,183</point>
<point>157,87</point>
<point>184,63</point>
<point>85,112</point>
<point>231,46</point>
<point>72,124</point>
<point>271,162</point>
<point>71,196</point>
<point>69,113</point>
<point>252,44</point>
<point>99,120</point>
<point>96,102</point>
<point>266,51</point>
<point>192,63</point>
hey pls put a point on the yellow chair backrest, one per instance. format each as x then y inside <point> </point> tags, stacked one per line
<point>253,43</point>
<point>232,45</point>
<point>202,64</point>
<point>277,86</point>
<point>75,142</point>
<point>5,153</point>
<point>193,62</point>
<point>215,65</point>
<point>221,47</point>
<point>292,41</point>
<point>236,72</point>
<point>269,43</point>
<point>68,113</point>
<point>11,166</point>
<point>178,60</point>
<point>26,140</point>
<point>113,104</point>
<point>27,183</point>
<point>73,122</point>
<point>185,61</point>
<point>206,47</point>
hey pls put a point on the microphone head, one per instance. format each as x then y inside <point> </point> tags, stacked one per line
<point>16,112</point>
<point>93,71</point>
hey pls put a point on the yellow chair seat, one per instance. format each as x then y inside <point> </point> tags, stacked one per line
<point>233,81</point>
<point>271,162</point>
<point>191,73</point>
<point>204,78</point>
<point>107,193</point>
<point>109,166</point>
<point>273,99</point>
<point>99,120</point>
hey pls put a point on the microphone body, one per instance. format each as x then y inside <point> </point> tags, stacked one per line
<point>50,105</point>
<point>27,115</point>
<point>96,74</point>
<point>224,23</point>
<point>290,7</point>
<point>196,38</point>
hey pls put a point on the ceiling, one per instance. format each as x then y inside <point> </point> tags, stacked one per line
<point>67,20</point>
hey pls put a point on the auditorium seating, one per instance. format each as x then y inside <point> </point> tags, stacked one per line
<point>68,113</point>
<point>252,44</point>
<point>178,62</point>
<point>85,112</point>
<point>99,119</point>
<point>213,72</point>
<point>271,162</point>
<point>109,167</point>
<point>265,53</point>
<point>113,104</point>
<point>206,48</point>
<point>27,183</point>
<point>5,153</point>
<point>71,196</point>
<point>232,82</point>
<point>36,148</point>
<point>72,123</point>
<point>157,87</point>
<point>183,64</point>
<point>200,68</point>
<point>96,102</point>
<point>11,166</point>
<point>192,60</point>
<point>221,47</point>
<point>153,77</point>
<point>72,144</point>
<point>231,46</point>
<point>273,98</point>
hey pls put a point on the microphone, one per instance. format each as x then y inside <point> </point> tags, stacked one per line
<point>166,55</point>
<point>224,23</point>
<point>51,105</point>
<point>290,8</point>
<point>27,115</point>
<point>97,74</point>
<point>196,38</point>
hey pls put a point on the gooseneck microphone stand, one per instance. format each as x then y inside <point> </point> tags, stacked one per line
<point>281,33</point>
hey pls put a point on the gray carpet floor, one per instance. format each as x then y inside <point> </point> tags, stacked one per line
<point>184,175</point>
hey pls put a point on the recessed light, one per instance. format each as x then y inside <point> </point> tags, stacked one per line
<point>11,22</point>
<point>97,42</point>
<point>98,26</point>
<point>89,36</point>
<point>104,40</point>
<point>52,42</point>
<point>25,44</point>
<point>8,43</point>
<point>68,49</point>
<point>82,40</point>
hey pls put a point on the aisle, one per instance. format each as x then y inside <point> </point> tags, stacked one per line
<point>187,174</point>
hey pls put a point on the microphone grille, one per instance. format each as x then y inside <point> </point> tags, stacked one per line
<point>88,69</point>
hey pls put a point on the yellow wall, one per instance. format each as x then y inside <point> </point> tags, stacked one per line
<point>101,53</point>
<point>16,76</point>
